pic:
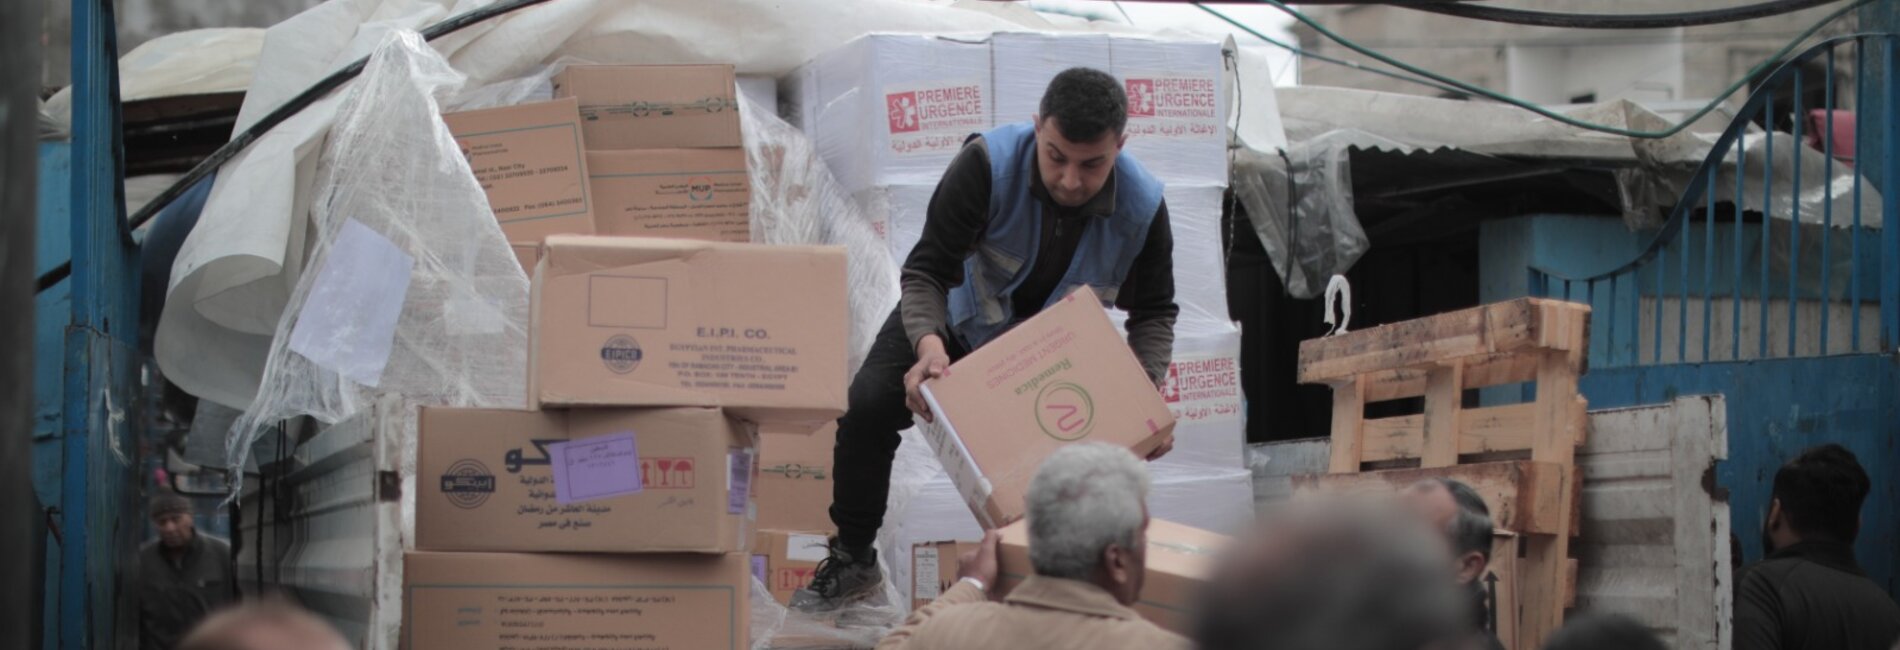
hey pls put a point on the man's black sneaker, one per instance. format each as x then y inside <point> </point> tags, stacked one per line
<point>842,578</point>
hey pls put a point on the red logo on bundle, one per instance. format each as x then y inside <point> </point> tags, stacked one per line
<point>906,117</point>
<point>1171,388</point>
<point>1141,97</point>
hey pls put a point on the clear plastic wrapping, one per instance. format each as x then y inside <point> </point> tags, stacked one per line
<point>1300,207</point>
<point>393,192</point>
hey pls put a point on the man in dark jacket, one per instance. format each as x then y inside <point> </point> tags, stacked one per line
<point>1025,213</point>
<point>1809,593</point>
<point>183,575</point>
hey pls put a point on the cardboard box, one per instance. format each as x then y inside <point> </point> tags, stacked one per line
<point>493,601</point>
<point>488,481</point>
<point>933,569</point>
<point>528,160</point>
<point>682,193</point>
<point>795,477</point>
<point>637,321</point>
<point>653,106</point>
<point>1180,560</point>
<point>786,560</point>
<point>1065,375</point>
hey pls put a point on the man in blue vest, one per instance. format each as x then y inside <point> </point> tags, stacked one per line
<point>1026,213</point>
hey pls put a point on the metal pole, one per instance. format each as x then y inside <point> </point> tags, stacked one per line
<point>22,563</point>
<point>98,492</point>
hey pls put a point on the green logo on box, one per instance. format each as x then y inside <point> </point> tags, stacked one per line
<point>1065,411</point>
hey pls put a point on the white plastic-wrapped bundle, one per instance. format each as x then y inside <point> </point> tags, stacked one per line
<point>1202,389</point>
<point>411,289</point>
<point>1178,95</point>
<point>1200,263</point>
<point>894,108</point>
<point>1028,60</point>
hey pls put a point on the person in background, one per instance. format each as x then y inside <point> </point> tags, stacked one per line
<point>1599,631</point>
<point>1333,574</point>
<point>264,625</point>
<point>183,575</point>
<point>1025,213</point>
<point>1453,507</point>
<point>1088,522</point>
<point>1809,593</point>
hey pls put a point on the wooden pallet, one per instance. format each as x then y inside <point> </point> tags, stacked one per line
<point>1521,457</point>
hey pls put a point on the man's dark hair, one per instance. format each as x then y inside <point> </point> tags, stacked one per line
<point>1085,104</point>
<point>1821,492</point>
<point>1595,631</point>
<point>1471,529</point>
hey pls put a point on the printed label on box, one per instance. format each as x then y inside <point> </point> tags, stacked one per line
<point>935,117</point>
<point>1173,106</point>
<point>738,480</point>
<point>924,574</point>
<point>1203,389</point>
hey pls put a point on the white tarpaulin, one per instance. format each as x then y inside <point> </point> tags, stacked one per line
<point>233,277</point>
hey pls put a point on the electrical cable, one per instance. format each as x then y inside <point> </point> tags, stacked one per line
<point>290,108</point>
<point>1323,58</point>
<point>1560,118</point>
<point>1615,21</point>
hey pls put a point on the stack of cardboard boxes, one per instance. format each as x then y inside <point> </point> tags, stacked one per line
<point>649,151</point>
<point>620,511</point>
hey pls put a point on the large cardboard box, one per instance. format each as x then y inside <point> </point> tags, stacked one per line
<point>653,106</point>
<point>933,569</point>
<point>496,601</point>
<point>1065,375</point>
<point>785,561</point>
<point>488,481</point>
<point>528,159</point>
<point>795,477</point>
<point>638,321</point>
<point>1180,560</point>
<point>683,193</point>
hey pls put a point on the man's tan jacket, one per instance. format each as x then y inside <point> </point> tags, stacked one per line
<point>1042,612</point>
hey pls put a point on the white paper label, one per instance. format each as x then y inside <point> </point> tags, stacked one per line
<point>1173,105</point>
<point>348,321</point>
<point>805,548</point>
<point>924,574</point>
<point>935,117</point>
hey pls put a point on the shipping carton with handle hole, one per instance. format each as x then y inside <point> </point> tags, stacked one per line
<point>640,321</point>
<point>497,601</point>
<point>602,480</point>
<point>1065,375</point>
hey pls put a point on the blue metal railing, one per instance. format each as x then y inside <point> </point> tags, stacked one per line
<point>1810,272</point>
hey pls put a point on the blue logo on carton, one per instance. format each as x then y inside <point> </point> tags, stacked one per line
<point>621,354</point>
<point>468,483</point>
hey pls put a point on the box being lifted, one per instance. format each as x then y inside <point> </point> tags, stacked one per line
<point>1065,375</point>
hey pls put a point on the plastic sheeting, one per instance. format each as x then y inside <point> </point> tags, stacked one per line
<point>192,62</point>
<point>414,290</point>
<point>1300,205</point>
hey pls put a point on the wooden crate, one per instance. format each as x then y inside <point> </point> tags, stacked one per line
<point>1520,457</point>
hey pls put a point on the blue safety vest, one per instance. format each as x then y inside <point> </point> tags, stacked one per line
<point>981,308</point>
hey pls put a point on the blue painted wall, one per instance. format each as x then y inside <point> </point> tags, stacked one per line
<point>51,311</point>
<point>1776,408</point>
